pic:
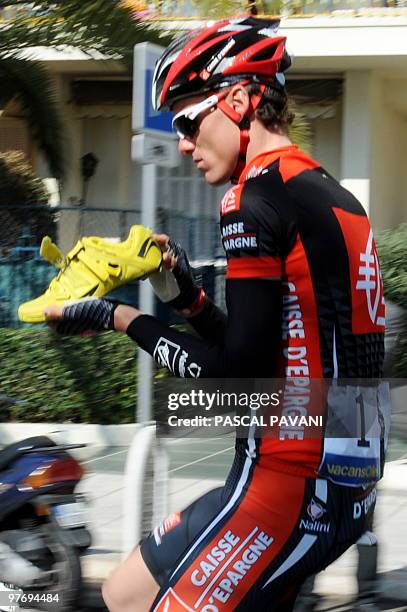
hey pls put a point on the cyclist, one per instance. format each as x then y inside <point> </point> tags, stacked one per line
<point>304,301</point>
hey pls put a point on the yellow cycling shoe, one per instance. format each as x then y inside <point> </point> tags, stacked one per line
<point>93,268</point>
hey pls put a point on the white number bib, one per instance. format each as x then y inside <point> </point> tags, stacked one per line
<point>356,434</point>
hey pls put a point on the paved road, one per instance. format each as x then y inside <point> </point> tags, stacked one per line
<point>200,458</point>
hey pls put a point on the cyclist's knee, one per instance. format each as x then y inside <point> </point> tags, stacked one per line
<point>130,587</point>
<point>117,601</point>
<point>137,599</point>
<point>111,599</point>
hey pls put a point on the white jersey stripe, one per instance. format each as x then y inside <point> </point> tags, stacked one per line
<point>298,553</point>
<point>334,355</point>
<point>233,500</point>
<point>321,489</point>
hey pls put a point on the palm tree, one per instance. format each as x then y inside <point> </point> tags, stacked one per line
<point>29,84</point>
<point>104,26</point>
<point>300,132</point>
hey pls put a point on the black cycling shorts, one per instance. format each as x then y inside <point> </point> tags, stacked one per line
<point>251,544</point>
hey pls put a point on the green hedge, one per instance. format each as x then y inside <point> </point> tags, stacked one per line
<point>68,380</point>
<point>392,248</point>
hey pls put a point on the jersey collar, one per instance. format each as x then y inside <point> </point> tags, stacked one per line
<point>263,160</point>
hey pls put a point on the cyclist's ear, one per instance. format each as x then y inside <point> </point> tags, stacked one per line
<point>239,99</point>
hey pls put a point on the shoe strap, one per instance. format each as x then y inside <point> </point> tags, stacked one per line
<point>75,250</point>
<point>102,269</point>
<point>52,253</point>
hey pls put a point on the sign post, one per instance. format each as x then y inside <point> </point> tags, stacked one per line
<point>153,144</point>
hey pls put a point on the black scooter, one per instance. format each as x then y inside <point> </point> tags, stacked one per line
<point>42,525</point>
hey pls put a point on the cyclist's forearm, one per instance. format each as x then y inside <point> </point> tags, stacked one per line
<point>246,349</point>
<point>183,354</point>
<point>210,323</point>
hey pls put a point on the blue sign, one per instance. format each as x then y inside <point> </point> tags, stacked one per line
<point>144,117</point>
<point>154,120</point>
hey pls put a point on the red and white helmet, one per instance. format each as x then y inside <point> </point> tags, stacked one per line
<point>231,50</point>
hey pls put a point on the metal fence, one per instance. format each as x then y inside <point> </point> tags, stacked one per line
<point>73,222</point>
<point>198,234</point>
<point>25,275</point>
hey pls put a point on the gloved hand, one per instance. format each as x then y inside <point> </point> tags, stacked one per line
<point>175,283</point>
<point>84,316</point>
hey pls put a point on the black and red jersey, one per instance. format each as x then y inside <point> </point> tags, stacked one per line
<point>287,218</point>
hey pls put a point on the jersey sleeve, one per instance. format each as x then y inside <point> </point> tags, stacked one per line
<point>211,323</point>
<point>247,349</point>
<point>252,232</point>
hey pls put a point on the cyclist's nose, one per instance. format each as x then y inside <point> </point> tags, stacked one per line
<point>186,146</point>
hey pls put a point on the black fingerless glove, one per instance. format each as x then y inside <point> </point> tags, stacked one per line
<point>189,290</point>
<point>94,315</point>
<point>178,287</point>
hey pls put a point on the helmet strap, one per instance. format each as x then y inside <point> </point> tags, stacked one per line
<point>244,126</point>
<point>229,111</point>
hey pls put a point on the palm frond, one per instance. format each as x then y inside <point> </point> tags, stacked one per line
<point>34,89</point>
<point>300,132</point>
<point>107,26</point>
<point>103,25</point>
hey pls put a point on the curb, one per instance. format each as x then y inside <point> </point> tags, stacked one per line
<point>393,585</point>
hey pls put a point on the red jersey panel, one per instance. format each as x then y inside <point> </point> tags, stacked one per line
<point>368,309</point>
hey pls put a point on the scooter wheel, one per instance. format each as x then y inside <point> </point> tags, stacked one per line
<point>63,592</point>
